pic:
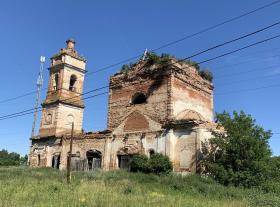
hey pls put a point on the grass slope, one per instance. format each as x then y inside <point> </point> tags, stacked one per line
<point>48,187</point>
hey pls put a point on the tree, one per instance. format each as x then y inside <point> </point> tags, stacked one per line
<point>10,159</point>
<point>23,160</point>
<point>240,155</point>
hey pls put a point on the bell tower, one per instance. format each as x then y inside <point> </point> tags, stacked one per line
<point>64,102</point>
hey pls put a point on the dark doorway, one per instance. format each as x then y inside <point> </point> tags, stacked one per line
<point>56,161</point>
<point>39,160</point>
<point>124,162</point>
<point>151,152</point>
<point>94,159</point>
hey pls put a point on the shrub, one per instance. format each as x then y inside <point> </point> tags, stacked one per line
<point>159,164</point>
<point>139,163</point>
<point>153,58</point>
<point>125,68</point>
<point>163,59</point>
<point>206,74</point>
<point>192,63</point>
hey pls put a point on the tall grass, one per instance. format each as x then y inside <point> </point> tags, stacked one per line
<point>47,187</point>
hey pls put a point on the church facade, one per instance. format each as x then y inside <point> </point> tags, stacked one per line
<point>153,107</point>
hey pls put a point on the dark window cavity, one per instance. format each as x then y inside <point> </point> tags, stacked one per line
<point>138,98</point>
<point>72,84</point>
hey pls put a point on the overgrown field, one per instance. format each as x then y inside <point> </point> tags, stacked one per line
<point>21,187</point>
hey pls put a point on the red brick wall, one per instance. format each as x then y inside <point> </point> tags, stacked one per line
<point>119,101</point>
<point>136,122</point>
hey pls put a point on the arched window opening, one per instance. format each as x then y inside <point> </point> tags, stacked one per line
<point>93,159</point>
<point>56,82</point>
<point>72,84</point>
<point>138,98</point>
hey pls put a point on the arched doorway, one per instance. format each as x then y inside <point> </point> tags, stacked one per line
<point>94,158</point>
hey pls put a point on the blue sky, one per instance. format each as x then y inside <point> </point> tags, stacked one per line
<point>107,32</point>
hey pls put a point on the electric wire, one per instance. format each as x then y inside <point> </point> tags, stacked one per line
<point>165,45</point>
<point>196,54</point>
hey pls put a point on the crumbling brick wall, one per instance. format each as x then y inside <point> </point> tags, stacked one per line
<point>120,99</point>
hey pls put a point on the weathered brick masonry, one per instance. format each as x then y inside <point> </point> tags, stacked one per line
<point>165,108</point>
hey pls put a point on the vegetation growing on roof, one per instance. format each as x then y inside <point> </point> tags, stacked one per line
<point>206,74</point>
<point>192,63</point>
<point>153,58</point>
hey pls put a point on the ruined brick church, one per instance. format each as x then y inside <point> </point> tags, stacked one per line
<point>152,108</point>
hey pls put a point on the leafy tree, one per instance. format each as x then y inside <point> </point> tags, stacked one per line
<point>240,155</point>
<point>10,159</point>
<point>23,160</point>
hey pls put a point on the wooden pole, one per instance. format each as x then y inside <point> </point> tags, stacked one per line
<point>196,159</point>
<point>70,156</point>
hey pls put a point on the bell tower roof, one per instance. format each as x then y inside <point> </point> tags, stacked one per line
<point>69,50</point>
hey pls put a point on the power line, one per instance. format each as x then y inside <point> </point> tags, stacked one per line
<point>250,79</point>
<point>249,89</point>
<point>247,71</point>
<point>237,91</point>
<point>200,52</point>
<point>165,45</point>
<point>243,62</point>
<point>218,25</point>
<point>20,96</point>
<point>32,109</point>
<point>210,59</point>
<point>27,113</point>
<point>237,50</point>
<point>228,53</point>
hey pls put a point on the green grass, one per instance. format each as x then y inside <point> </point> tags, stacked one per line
<point>48,187</point>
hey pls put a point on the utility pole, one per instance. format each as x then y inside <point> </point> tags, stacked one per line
<point>70,155</point>
<point>196,154</point>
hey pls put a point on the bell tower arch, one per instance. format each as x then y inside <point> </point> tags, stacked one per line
<point>64,102</point>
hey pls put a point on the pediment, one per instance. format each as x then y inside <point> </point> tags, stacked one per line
<point>137,122</point>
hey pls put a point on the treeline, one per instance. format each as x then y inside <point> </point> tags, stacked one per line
<point>11,159</point>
